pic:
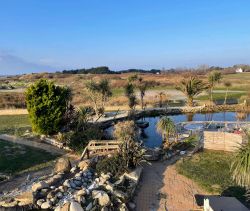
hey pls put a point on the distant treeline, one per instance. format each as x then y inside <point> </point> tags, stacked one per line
<point>202,69</point>
<point>93,70</point>
<point>106,70</point>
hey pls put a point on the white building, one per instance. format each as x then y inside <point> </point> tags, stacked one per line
<point>239,70</point>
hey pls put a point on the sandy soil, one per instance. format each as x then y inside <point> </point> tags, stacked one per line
<point>19,90</point>
<point>13,111</point>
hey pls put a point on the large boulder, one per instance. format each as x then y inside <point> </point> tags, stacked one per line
<point>102,196</point>
<point>25,198</point>
<point>65,207</point>
<point>74,206</point>
<point>62,165</point>
<point>84,164</point>
<point>134,175</point>
<point>81,192</point>
<point>46,205</point>
<point>39,185</point>
<point>8,204</point>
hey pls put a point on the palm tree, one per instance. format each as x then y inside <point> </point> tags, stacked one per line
<point>142,86</point>
<point>83,116</point>
<point>160,96</point>
<point>167,128</point>
<point>130,94</point>
<point>214,77</point>
<point>240,166</point>
<point>191,87</point>
<point>227,84</point>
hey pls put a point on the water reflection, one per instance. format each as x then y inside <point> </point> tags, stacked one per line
<point>190,117</point>
<point>143,134</point>
<point>241,116</point>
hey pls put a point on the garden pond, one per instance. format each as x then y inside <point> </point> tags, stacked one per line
<point>152,138</point>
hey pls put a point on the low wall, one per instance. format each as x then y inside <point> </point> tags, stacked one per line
<point>216,140</point>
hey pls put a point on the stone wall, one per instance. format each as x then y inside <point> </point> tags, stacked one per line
<point>225,141</point>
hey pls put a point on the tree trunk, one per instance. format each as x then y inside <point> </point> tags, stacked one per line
<point>190,101</point>
<point>211,95</point>
<point>225,101</point>
<point>160,103</point>
<point>142,103</point>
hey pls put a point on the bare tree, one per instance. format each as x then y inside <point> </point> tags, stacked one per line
<point>99,93</point>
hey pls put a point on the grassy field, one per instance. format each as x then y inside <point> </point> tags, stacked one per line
<point>162,82</point>
<point>221,96</point>
<point>11,124</point>
<point>211,170</point>
<point>16,158</point>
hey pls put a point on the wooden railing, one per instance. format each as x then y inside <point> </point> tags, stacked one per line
<point>100,146</point>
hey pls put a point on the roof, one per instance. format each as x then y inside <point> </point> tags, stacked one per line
<point>223,203</point>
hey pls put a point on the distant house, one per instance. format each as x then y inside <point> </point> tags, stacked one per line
<point>239,70</point>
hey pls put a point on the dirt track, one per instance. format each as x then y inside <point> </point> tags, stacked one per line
<point>162,188</point>
<point>13,111</point>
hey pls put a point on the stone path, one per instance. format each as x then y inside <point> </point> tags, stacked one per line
<point>162,188</point>
<point>36,144</point>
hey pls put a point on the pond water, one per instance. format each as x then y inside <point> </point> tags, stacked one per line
<point>152,138</point>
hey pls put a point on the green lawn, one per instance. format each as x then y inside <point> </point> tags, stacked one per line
<point>234,88</point>
<point>16,158</point>
<point>221,96</point>
<point>12,124</point>
<point>211,170</point>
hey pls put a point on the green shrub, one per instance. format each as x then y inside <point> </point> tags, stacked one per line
<point>78,140</point>
<point>116,165</point>
<point>47,105</point>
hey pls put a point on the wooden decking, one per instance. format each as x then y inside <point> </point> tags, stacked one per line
<point>100,146</point>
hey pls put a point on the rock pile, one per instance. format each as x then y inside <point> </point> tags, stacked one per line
<point>80,188</point>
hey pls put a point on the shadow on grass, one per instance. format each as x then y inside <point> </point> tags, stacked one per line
<point>237,192</point>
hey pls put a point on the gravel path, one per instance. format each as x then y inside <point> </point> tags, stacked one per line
<point>162,188</point>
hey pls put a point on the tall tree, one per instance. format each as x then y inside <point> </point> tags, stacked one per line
<point>130,94</point>
<point>142,86</point>
<point>47,105</point>
<point>191,87</point>
<point>99,93</point>
<point>214,78</point>
<point>166,128</point>
<point>227,84</point>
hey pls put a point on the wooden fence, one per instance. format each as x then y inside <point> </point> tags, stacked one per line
<point>225,141</point>
<point>100,146</point>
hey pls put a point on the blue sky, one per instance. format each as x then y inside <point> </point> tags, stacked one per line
<point>46,35</point>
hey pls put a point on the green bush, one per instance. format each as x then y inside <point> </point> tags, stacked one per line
<point>116,165</point>
<point>78,140</point>
<point>47,105</point>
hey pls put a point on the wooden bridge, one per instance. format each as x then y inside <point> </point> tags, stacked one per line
<point>102,146</point>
